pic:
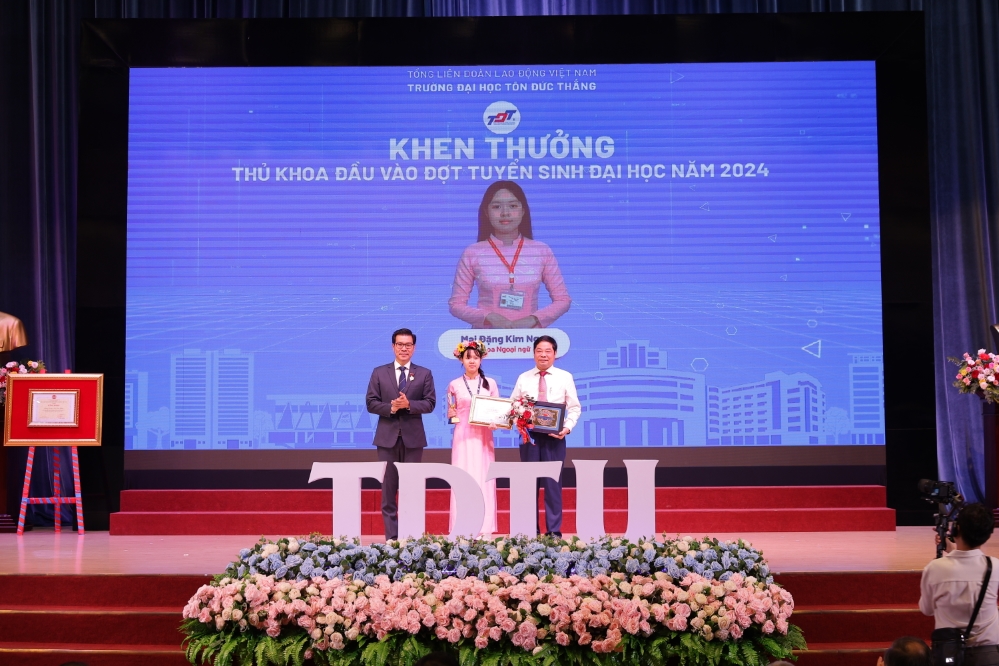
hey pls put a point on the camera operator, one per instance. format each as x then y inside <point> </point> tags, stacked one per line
<point>951,586</point>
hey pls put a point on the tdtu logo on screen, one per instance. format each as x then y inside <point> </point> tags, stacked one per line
<point>501,117</point>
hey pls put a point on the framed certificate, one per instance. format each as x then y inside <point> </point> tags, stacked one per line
<point>51,409</point>
<point>489,411</point>
<point>548,418</point>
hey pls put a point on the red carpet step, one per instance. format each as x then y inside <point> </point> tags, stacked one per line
<point>848,618</point>
<point>678,510</point>
<point>112,620</point>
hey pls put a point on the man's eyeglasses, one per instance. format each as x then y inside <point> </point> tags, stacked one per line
<point>404,345</point>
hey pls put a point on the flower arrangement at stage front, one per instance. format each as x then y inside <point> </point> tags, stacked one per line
<point>978,374</point>
<point>521,415</point>
<point>15,368</point>
<point>643,603</point>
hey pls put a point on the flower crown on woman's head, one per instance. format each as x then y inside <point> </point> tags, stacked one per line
<point>459,351</point>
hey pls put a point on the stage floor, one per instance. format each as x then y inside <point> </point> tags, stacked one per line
<point>43,551</point>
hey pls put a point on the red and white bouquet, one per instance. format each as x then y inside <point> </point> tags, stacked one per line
<point>15,368</point>
<point>522,415</point>
<point>978,374</point>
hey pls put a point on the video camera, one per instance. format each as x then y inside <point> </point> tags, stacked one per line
<point>949,503</point>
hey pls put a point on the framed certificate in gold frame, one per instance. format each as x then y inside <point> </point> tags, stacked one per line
<point>73,417</point>
<point>489,411</point>
<point>54,408</point>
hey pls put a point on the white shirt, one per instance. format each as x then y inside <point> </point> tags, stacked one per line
<point>409,370</point>
<point>950,588</point>
<point>561,389</point>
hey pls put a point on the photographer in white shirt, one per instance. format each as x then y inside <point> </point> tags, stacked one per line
<point>951,585</point>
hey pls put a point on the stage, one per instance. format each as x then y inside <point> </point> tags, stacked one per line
<point>854,591</point>
<point>97,553</point>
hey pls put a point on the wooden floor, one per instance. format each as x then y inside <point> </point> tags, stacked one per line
<point>44,552</point>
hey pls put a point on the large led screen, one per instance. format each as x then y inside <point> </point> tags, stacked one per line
<point>702,240</point>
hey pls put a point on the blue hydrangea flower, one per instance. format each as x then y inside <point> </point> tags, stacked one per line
<point>324,549</point>
<point>649,555</point>
<point>293,561</point>
<point>698,568</point>
<point>631,566</point>
<point>240,571</point>
<point>308,547</point>
<point>519,568</point>
<point>244,553</point>
<point>492,571</point>
<point>281,572</point>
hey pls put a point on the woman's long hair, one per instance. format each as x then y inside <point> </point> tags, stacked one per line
<point>486,229</point>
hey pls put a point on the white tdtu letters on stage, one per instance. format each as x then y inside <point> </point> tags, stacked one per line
<point>470,505</point>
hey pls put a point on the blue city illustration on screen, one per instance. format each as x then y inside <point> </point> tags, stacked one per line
<point>703,244</point>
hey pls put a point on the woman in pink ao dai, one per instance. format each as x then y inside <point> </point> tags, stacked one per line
<point>472,445</point>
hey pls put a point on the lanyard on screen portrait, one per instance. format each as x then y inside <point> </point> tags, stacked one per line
<point>516,255</point>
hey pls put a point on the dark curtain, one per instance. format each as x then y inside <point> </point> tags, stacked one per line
<point>38,159</point>
<point>963,88</point>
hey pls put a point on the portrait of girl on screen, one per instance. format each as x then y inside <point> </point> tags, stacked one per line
<point>508,267</point>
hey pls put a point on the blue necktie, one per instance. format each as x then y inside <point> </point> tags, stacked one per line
<point>402,379</point>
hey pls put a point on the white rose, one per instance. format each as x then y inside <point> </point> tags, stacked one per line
<point>293,546</point>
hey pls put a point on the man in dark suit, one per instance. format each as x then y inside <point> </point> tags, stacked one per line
<point>400,393</point>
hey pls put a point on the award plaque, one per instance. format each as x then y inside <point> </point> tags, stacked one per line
<point>548,418</point>
<point>489,411</point>
<point>53,410</point>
